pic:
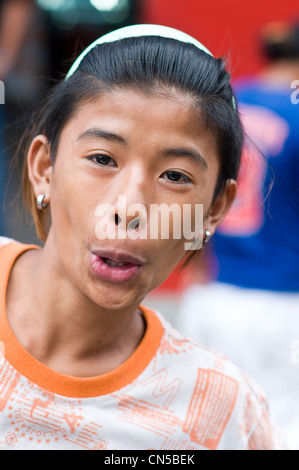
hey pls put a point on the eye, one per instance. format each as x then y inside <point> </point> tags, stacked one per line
<point>103,160</point>
<point>177,177</point>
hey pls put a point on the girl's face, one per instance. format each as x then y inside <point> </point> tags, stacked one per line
<point>150,150</point>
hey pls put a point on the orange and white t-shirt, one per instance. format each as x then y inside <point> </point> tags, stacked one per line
<point>171,394</point>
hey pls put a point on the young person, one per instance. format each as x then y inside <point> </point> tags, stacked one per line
<point>146,114</point>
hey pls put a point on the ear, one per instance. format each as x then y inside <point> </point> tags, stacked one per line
<point>40,166</point>
<point>221,206</point>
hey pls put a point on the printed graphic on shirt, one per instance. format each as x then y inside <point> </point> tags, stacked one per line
<point>47,420</point>
<point>163,387</point>
<point>181,444</point>
<point>260,439</point>
<point>157,414</point>
<point>211,406</point>
<point>9,380</point>
<point>39,418</point>
<point>148,416</point>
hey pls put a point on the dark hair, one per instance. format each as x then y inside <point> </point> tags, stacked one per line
<point>150,64</point>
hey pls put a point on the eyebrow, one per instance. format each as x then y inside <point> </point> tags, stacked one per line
<point>183,152</point>
<point>97,133</point>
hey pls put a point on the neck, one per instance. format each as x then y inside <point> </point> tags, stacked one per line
<point>63,328</point>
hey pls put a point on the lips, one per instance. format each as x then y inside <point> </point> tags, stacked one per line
<point>119,257</point>
<point>103,266</point>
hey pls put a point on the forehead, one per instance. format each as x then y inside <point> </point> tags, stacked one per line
<point>158,118</point>
<point>178,109</point>
<point>133,103</point>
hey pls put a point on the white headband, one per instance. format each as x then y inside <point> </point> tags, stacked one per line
<point>139,30</point>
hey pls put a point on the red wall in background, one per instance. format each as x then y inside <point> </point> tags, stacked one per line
<point>225,27</point>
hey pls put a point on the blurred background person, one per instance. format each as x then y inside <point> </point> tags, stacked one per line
<point>248,306</point>
<point>16,17</point>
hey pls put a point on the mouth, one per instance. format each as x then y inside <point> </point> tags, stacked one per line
<point>115,266</point>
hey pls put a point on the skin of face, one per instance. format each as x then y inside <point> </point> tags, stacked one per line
<point>135,169</point>
<point>148,160</point>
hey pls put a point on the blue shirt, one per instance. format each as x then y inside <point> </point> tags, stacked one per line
<point>257,246</point>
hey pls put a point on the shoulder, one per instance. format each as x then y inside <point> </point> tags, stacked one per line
<point>219,394</point>
<point>183,348</point>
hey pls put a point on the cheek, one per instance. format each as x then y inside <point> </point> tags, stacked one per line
<point>71,204</point>
<point>170,257</point>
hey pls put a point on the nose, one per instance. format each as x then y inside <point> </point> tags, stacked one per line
<point>132,223</point>
<point>131,203</point>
